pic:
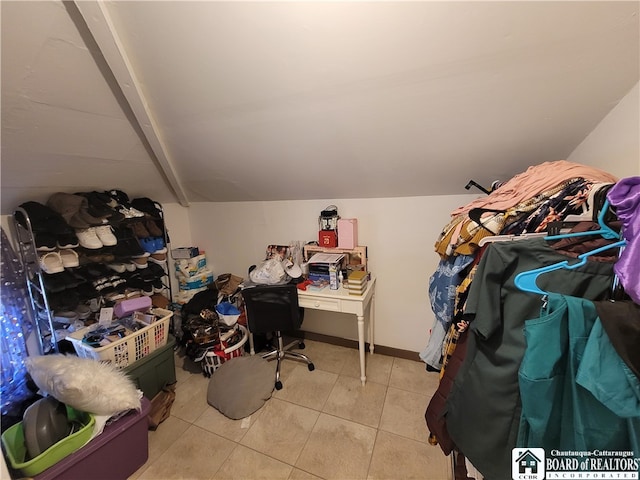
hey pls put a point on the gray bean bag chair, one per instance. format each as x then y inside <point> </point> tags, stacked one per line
<point>241,385</point>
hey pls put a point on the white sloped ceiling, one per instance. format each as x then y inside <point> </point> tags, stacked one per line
<point>239,101</point>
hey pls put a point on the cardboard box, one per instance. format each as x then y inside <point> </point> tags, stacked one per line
<point>185,252</point>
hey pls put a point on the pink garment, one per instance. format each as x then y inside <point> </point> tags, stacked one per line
<point>625,197</point>
<point>535,180</point>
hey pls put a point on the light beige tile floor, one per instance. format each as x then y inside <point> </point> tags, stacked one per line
<point>322,425</point>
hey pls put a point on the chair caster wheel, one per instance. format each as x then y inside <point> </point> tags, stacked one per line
<point>311,367</point>
<point>278,385</point>
<point>301,345</point>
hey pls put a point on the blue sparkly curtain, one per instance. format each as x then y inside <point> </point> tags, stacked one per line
<point>15,325</point>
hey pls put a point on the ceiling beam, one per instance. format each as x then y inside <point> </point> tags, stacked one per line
<point>101,26</point>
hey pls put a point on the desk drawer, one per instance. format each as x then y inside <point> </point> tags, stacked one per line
<point>329,304</point>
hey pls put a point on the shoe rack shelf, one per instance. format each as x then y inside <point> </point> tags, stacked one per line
<point>43,316</point>
<point>35,278</point>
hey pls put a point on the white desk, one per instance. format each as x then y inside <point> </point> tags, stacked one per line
<point>340,301</point>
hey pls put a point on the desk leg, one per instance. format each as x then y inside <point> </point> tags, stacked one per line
<point>252,350</point>
<point>361,348</point>
<point>372,315</point>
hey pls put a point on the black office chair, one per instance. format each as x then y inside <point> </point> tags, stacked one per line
<point>274,308</point>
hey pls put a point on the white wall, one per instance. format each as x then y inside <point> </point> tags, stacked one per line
<point>614,145</point>
<point>399,232</point>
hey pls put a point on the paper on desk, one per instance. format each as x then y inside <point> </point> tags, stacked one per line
<point>321,257</point>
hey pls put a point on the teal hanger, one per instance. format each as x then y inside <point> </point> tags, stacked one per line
<point>605,230</point>
<point>526,281</point>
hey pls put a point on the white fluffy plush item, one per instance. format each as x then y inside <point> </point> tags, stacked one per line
<point>84,384</point>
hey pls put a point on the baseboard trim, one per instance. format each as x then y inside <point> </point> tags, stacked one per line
<point>344,342</point>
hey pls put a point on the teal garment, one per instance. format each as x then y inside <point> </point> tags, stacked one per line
<point>483,409</point>
<point>576,392</point>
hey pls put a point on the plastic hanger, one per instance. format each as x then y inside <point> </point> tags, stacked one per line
<point>526,281</point>
<point>473,183</point>
<point>605,230</point>
<point>509,238</point>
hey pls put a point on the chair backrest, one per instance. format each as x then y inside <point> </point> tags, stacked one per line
<point>272,307</point>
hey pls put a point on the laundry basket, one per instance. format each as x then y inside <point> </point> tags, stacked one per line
<point>217,355</point>
<point>125,351</point>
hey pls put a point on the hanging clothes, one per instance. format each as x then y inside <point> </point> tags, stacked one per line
<point>442,290</point>
<point>625,197</point>
<point>483,407</point>
<point>577,393</point>
<point>454,353</point>
<point>621,321</point>
<point>533,181</point>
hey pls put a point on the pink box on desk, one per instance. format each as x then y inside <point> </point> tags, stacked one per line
<point>348,233</point>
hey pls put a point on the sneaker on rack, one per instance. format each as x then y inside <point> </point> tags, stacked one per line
<point>158,286</point>
<point>158,258</point>
<point>130,266</point>
<point>153,228</point>
<point>141,262</point>
<point>88,238</point>
<point>117,267</point>
<point>139,230</point>
<point>159,245</point>
<point>45,242</point>
<point>67,240</point>
<point>148,244</point>
<point>106,236</point>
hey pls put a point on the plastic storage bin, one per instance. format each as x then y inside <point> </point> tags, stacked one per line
<point>115,454</point>
<point>127,350</point>
<point>14,445</point>
<point>154,371</point>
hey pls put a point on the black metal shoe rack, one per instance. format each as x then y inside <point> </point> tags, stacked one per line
<point>34,278</point>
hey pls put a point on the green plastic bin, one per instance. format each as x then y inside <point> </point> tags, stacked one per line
<point>16,450</point>
<point>153,372</point>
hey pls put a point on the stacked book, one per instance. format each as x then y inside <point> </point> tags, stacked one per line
<point>357,282</point>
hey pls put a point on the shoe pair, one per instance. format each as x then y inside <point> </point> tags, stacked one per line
<point>47,242</point>
<point>128,245</point>
<point>75,210</point>
<point>159,258</point>
<point>96,237</point>
<point>121,267</point>
<point>61,281</point>
<point>150,207</point>
<point>57,261</point>
<point>110,283</point>
<point>152,244</point>
<point>48,226</point>
<point>136,282</point>
<point>99,206</point>
<point>121,203</point>
<point>67,299</point>
<point>145,228</point>
<point>69,321</point>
